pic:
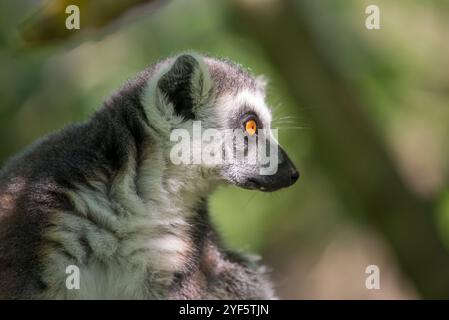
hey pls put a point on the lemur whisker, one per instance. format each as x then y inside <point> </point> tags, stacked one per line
<point>295,128</point>
<point>276,108</point>
<point>286,117</point>
<point>286,123</point>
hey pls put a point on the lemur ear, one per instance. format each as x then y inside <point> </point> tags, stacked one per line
<point>186,84</point>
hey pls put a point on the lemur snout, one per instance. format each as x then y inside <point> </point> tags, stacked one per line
<point>286,175</point>
<point>294,174</point>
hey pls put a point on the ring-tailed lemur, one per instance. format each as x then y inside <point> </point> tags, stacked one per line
<point>104,196</point>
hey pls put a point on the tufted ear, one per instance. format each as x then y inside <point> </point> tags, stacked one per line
<point>186,84</point>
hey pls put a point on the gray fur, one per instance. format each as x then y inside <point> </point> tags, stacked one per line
<point>104,196</point>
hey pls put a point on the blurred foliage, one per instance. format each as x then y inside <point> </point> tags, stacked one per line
<point>395,78</point>
<point>44,26</point>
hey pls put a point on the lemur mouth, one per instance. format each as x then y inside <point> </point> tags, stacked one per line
<point>253,184</point>
<point>269,185</point>
<point>265,186</point>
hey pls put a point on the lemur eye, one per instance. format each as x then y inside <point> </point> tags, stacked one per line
<point>251,127</point>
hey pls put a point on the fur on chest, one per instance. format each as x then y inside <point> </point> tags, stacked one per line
<point>124,246</point>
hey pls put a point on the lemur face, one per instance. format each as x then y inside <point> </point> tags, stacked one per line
<point>222,111</point>
<point>246,113</point>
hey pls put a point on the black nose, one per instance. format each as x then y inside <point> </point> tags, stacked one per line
<point>287,170</point>
<point>294,174</point>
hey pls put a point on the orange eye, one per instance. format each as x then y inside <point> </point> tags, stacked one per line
<point>251,127</point>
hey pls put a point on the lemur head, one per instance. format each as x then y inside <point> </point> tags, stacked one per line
<point>192,92</point>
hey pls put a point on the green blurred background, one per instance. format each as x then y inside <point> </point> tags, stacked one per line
<point>363,113</point>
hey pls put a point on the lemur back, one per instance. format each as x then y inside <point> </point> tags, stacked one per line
<point>103,195</point>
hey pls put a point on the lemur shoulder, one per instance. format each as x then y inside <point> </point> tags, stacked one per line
<point>103,194</point>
